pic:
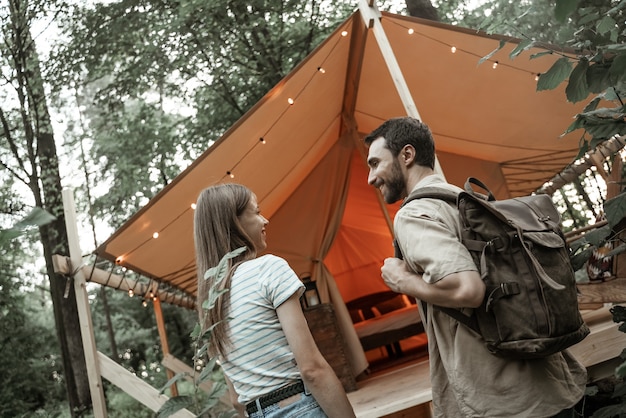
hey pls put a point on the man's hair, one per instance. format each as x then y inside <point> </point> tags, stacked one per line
<point>218,231</point>
<point>402,131</point>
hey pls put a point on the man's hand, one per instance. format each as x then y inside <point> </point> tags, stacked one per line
<point>398,277</point>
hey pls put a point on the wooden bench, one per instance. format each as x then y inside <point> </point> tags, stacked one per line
<point>384,319</point>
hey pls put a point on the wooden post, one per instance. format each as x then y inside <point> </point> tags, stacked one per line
<point>84,312</point>
<point>371,16</point>
<point>158,313</point>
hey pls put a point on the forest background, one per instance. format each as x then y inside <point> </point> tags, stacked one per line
<point>115,98</point>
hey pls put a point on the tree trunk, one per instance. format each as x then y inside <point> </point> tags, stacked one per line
<point>45,183</point>
<point>423,9</point>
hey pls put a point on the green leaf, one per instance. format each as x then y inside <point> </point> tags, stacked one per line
<point>564,8</point>
<point>540,54</point>
<point>610,411</point>
<point>521,47</point>
<point>620,390</point>
<point>214,295</point>
<point>173,405</point>
<point>173,380</point>
<point>559,71</point>
<point>605,25</point>
<point>579,260</point>
<point>598,77</point>
<point>615,209</point>
<point>207,370</point>
<point>196,331</point>
<point>617,250</point>
<point>618,69</point>
<point>577,89</point>
<point>220,271</point>
<point>620,371</point>
<point>489,55</point>
<point>598,236</point>
<point>591,16</point>
<point>577,124</point>
<point>36,217</point>
<point>592,105</point>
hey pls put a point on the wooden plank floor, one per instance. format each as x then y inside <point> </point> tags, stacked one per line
<point>391,392</point>
<point>405,391</point>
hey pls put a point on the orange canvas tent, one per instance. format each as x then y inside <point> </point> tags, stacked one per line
<point>300,150</point>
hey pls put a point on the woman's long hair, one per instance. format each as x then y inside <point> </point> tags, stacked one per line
<point>218,231</point>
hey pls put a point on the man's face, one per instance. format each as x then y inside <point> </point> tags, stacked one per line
<point>385,172</point>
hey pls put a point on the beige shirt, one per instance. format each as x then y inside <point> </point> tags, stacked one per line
<point>468,381</point>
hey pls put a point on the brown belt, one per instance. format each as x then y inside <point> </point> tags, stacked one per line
<point>275,396</point>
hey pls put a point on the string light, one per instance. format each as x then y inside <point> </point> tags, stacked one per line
<point>291,100</point>
<point>454,49</point>
<point>144,303</point>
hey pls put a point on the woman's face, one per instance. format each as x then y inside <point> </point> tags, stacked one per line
<point>254,223</point>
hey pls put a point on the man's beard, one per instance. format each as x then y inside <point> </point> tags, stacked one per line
<point>395,184</point>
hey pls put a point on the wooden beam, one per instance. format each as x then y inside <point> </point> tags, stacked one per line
<point>134,386</point>
<point>82,303</point>
<point>165,346</point>
<point>569,174</point>
<point>371,16</point>
<point>370,13</point>
<point>115,281</point>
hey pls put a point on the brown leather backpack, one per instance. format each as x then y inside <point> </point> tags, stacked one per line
<point>530,309</point>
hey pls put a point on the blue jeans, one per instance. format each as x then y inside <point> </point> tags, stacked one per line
<point>305,407</point>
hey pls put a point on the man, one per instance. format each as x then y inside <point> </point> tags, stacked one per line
<point>467,381</point>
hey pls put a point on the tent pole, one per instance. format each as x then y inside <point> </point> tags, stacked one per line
<point>84,312</point>
<point>371,16</point>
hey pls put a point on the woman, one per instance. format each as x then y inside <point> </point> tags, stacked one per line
<point>270,360</point>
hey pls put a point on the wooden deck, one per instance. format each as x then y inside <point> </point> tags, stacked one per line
<point>405,391</point>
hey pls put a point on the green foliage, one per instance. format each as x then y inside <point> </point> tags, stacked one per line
<point>158,82</point>
<point>32,374</point>
<point>37,217</point>
<point>559,71</point>
<point>205,404</point>
<point>618,398</point>
<point>582,248</point>
<point>593,62</point>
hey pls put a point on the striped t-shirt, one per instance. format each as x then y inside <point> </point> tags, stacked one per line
<point>260,360</point>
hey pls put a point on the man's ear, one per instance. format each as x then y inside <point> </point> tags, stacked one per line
<point>407,155</point>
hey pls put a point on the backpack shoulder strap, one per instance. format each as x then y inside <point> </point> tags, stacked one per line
<point>432,193</point>
<point>450,197</point>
